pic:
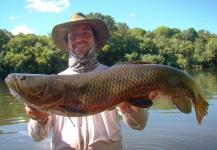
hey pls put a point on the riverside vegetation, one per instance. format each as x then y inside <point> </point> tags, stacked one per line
<point>30,53</point>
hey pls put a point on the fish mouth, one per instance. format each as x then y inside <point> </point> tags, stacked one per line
<point>14,88</point>
<point>12,81</point>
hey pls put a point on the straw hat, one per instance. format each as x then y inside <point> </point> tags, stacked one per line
<point>100,31</point>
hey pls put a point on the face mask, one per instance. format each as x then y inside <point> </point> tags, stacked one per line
<point>88,63</point>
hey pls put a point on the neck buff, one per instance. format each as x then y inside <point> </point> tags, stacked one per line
<point>86,64</point>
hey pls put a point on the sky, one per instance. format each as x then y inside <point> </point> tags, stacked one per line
<point>39,16</point>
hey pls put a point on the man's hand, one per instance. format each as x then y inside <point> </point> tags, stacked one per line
<point>37,115</point>
<point>124,107</point>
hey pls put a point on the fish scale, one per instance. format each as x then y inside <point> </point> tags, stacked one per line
<point>91,93</point>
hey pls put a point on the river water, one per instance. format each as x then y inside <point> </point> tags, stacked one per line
<point>167,127</point>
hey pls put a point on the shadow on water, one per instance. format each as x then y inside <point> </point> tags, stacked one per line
<point>167,127</point>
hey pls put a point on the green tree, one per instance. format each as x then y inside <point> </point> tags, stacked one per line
<point>117,50</point>
<point>190,34</point>
<point>163,31</point>
<point>122,28</point>
<point>211,52</point>
<point>199,49</point>
<point>5,36</point>
<point>155,59</point>
<point>33,54</point>
<point>109,21</point>
<point>170,46</point>
<point>2,72</point>
<point>137,32</point>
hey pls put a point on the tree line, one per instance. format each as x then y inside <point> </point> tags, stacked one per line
<point>30,53</point>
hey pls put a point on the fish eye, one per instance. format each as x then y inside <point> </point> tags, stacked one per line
<point>22,78</point>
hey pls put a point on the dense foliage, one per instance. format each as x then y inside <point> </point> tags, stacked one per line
<point>30,53</point>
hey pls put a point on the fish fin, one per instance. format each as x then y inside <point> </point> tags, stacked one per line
<point>131,62</point>
<point>142,102</point>
<point>201,107</point>
<point>183,104</point>
<point>73,110</point>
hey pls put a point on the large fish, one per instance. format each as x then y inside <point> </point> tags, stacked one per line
<point>94,92</point>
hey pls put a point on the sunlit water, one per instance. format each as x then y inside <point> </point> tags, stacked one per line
<point>167,127</point>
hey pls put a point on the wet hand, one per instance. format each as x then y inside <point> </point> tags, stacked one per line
<point>36,114</point>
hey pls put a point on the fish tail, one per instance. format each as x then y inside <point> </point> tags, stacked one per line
<point>201,107</point>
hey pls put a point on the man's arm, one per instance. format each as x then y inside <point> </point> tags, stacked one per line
<point>40,123</point>
<point>136,117</point>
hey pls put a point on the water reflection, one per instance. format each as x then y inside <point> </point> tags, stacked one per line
<point>207,78</point>
<point>11,110</point>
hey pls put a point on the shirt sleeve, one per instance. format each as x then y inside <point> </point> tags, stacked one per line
<point>136,120</point>
<point>39,132</point>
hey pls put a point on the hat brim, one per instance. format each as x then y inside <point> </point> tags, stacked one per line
<point>99,28</point>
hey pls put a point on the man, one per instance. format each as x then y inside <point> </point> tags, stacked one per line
<point>81,38</point>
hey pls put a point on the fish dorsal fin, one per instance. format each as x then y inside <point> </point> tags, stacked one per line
<point>131,62</point>
<point>183,104</point>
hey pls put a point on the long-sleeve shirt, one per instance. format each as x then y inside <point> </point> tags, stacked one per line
<point>100,131</point>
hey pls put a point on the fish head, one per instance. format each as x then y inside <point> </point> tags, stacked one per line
<point>37,91</point>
